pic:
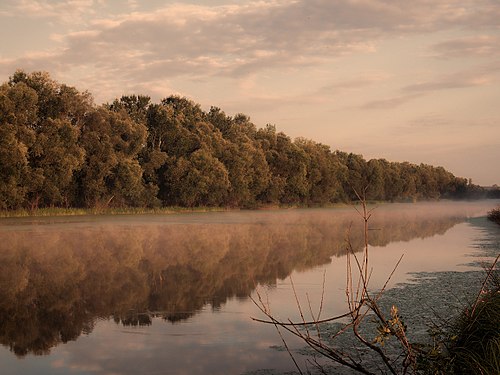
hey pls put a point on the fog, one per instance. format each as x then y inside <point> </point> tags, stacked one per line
<point>59,276</point>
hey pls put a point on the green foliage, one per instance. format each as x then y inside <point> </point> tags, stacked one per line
<point>60,150</point>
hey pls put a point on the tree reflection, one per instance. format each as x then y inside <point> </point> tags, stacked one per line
<point>57,280</point>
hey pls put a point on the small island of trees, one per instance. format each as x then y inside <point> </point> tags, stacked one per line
<point>59,149</point>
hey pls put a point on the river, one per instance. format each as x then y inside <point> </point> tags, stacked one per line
<point>170,294</point>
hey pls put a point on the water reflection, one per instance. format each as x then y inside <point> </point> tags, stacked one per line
<point>57,279</point>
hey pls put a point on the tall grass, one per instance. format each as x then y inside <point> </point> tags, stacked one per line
<point>471,343</point>
<point>476,349</point>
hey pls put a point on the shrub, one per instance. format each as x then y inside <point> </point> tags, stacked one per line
<point>494,215</point>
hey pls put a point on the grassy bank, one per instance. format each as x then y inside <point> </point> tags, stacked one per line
<point>56,211</point>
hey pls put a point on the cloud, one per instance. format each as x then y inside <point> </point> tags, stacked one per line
<point>71,11</point>
<point>237,40</point>
<point>392,102</point>
<point>480,76</point>
<point>475,46</point>
<point>427,125</point>
<point>195,41</point>
<point>259,100</point>
<point>359,82</point>
<point>449,132</point>
<point>453,81</point>
<point>429,121</point>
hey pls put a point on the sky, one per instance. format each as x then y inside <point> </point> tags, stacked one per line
<point>414,81</point>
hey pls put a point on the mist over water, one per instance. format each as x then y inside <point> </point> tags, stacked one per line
<point>70,285</point>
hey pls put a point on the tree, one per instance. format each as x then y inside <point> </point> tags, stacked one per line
<point>197,180</point>
<point>268,141</point>
<point>18,114</point>
<point>357,175</point>
<point>220,121</point>
<point>46,116</point>
<point>248,173</point>
<point>55,100</point>
<point>112,173</point>
<point>287,162</point>
<point>429,185</point>
<point>323,172</point>
<point>136,106</point>
<point>54,159</point>
<point>151,158</point>
<point>13,168</point>
<point>376,179</point>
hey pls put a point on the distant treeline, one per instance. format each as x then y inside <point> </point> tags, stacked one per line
<point>58,149</point>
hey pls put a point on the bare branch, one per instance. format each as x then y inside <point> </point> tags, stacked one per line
<point>333,318</point>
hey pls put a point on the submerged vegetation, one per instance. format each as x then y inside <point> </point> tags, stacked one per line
<point>59,149</point>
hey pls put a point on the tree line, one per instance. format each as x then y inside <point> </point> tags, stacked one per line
<point>59,149</point>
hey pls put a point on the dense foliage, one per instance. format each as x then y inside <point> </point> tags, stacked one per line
<point>57,148</point>
<point>494,215</point>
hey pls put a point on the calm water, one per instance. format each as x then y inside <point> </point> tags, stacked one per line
<point>170,294</point>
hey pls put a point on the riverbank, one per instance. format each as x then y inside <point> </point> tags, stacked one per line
<point>55,211</point>
<point>58,211</point>
<point>107,211</point>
